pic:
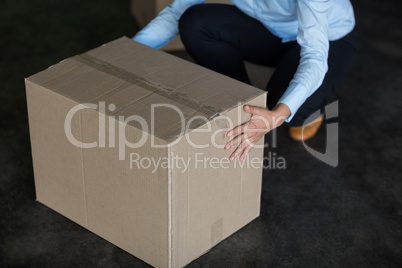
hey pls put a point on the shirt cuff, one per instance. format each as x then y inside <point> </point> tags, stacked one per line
<point>161,30</point>
<point>294,97</point>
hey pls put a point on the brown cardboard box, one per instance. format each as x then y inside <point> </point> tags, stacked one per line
<point>144,11</point>
<point>88,116</point>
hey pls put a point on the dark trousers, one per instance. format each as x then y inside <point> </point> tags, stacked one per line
<point>220,37</point>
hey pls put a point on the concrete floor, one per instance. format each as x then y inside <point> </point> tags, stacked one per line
<point>312,215</point>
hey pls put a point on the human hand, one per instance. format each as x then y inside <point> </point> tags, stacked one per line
<point>261,122</point>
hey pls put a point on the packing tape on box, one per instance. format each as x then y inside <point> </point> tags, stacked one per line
<point>209,111</point>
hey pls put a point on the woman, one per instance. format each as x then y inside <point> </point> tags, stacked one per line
<point>309,42</point>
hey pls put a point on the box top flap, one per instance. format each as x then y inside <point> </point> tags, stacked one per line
<point>162,91</point>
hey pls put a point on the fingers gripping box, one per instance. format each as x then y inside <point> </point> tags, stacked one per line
<point>127,141</point>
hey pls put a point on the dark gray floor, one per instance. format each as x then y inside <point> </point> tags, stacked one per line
<point>312,215</point>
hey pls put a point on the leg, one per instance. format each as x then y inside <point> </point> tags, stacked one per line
<point>220,37</point>
<point>341,54</point>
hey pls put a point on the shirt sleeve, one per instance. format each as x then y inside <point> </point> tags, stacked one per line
<point>312,37</point>
<point>165,27</point>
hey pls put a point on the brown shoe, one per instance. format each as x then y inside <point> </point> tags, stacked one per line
<point>306,132</point>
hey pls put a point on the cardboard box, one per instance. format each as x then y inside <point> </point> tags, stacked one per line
<point>88,116</point>
<point>144,11</point>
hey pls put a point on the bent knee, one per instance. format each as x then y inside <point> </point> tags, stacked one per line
<point>192,20</point>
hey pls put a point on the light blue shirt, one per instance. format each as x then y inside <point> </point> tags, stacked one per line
<point>313,23</point>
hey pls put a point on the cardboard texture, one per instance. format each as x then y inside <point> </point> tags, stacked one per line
<point>165,215</point>
<point>144,11</point>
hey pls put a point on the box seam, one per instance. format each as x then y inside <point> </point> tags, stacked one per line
<point>83,173</point>
<point>170,251</point>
